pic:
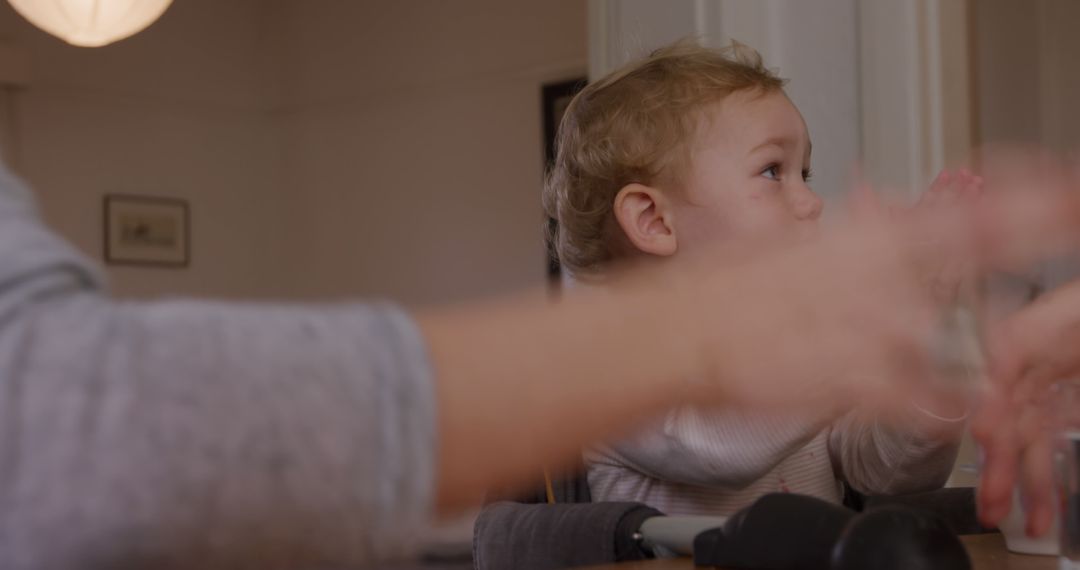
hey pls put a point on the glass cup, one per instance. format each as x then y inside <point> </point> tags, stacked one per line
<point>1070,504</point>
<point>1067,466</point>
<point>1067,457</point>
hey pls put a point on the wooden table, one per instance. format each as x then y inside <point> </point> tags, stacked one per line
<point>987,552</point>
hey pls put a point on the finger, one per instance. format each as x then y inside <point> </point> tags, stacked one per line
<point>994,432</point>
<point>963,178</point>
<point>952,196</point>
<point>1037,477</point>
<point>938,188</point>
<point>998,478</point>
<point>975,186</point>
<point>968,188</point>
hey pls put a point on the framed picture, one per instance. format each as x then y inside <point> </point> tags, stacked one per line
<point>555,97</point>
<point>144,230</point>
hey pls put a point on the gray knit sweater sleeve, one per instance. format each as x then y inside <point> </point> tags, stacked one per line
<point>187,434</point>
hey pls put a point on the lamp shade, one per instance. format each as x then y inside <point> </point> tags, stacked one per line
<point>91,23</point>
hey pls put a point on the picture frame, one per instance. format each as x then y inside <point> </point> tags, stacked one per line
<point>147,231</point>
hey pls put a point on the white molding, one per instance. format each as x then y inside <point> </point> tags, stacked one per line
<point>947,93</point>
<point>748,21</point>
<point>957,125</point>
<point>917,115</point>
<point>916,91</point>
<point>601,29</point>
<point>933,92</point>
<point>890,92</point>
<point>622,30</point>
<point>704,16</point>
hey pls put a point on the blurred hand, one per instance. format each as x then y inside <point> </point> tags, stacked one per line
<point>943,275</point>
<point>837,319</point>
<point>1017,449</point>
<point>849,316</point>
<point>1038,345</point>
<point>1032,348</point>
<point>1028,210</point>
<point>852,314</point>
<point>940,274</point>
<point>856,309</point>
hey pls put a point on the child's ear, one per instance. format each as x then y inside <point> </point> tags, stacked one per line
<point>646,218</point>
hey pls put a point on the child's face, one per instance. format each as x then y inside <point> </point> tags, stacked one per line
<point>748,172</point>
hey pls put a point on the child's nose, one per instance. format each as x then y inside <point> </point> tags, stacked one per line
<point>805,204</point>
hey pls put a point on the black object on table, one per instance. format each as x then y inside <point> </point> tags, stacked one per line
<point>786,531</point>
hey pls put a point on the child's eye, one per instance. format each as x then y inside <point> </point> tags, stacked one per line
<point>772,172</point>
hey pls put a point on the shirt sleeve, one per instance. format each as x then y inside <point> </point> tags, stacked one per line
<point>188,434</point>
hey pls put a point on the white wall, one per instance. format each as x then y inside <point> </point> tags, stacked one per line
<point>328,148</point>
<point>412,141</point>
<point>171,112</point>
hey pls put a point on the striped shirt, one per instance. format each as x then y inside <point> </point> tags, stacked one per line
<point>703,463</point>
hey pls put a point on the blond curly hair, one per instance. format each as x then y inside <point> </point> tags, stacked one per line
<point>635,125</point>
